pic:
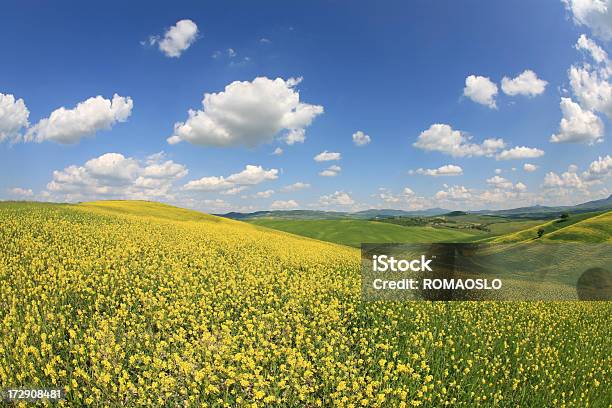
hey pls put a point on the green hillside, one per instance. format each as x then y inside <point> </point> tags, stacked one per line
<point>355,232</point>
<point>594,229</point>
<point>586,227</point>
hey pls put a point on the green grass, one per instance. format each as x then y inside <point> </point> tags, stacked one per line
<point>585,227</point>
<point>355,232</point>
<point>593,230</point>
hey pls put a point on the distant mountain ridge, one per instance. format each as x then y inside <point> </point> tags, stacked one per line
<point>521,212</point>
<point>595,205</point>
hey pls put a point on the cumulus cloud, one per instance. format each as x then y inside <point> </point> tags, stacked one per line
<point>595,14</point>
<point>295,187</point>
<point>406,196</point>
<point>295,136</point>
<point>453,193</point>
<point>113,175</point>
<point>446,170</point>
<point>264,194</point>
<point>20,192</point>
<point>85,119</point>
<point>331,171</point>
<point>578,125</point>
<point>590,83</point>
<point>360,138</point>
<point>501,193</point>
<point>498,171</point>
<point>234,190</point>
<point>599,169</point>
<point>13,117</point>
<point>338,198</point>
<point>327,156</point>
<point>277,152</point>
<point>443,138</point>
<point>248,113</point>
<point>250,176</point>
<point>528,167</point>
<point>177,38</point>
<point>284,205</point>
<point>520,152</point>
<point>572,186</point>
<point>527,83</point>
<point>499,182</point>
<point>212,183</point>
<point>480,90</point>
<point>565,180</point>
<point>597,53</point>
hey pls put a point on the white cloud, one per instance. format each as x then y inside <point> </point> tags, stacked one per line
<point>443,138</point>
<point>361,139</point>
<point>87,118</point>
<point>234,190</point>
<point>527,83</point>
<point>264,194</point>
<point>277,152</point>
<point>566,180</point>
<point>597,53</point>
<point>453,193</point>
<point>248,113</point>
<point>212,183</point>
<point>499,182</point>
<point>177,38</point>
<point>595,14</point>
<point>446,170</point>
<point>578,125</point>
<point>216,204</point>
<point>480,90</point>
<point>113,175</point>
<point>327,156</point>
<point>339,198</point>
<point>407,196</point>
<point>590,83</point>
<point>520,187</point>
<point>295,186</point>
<point>528,167</point>
<point>520,152</point>
<point>295,136</point>
<point>498,171</point>
<point>599,169</point>
<point>284,205</point>
<point>13,116</point>
<point>251,175</point>
<point>231,53</point>
<point>21,192</point>
<point>572,187</point>
<point>331,171</point>
<point>265,40</point>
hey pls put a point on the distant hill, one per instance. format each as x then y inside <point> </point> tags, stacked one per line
<point>332,215</point>
<point>536,211</point>
<point>539,210</point>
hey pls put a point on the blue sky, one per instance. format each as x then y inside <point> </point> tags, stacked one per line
<point>392,70</point>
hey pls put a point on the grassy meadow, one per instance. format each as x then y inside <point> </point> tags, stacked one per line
<point>354,232</point>
<point>144,304</point>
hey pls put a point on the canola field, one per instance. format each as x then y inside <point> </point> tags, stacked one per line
<point>142,304</point>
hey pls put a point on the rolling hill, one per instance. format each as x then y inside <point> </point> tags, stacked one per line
<point>355,232</point>
<point>582,227</point>
<point>126,303</point>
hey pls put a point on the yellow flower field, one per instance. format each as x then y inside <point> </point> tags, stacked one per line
<point>140,304</point>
